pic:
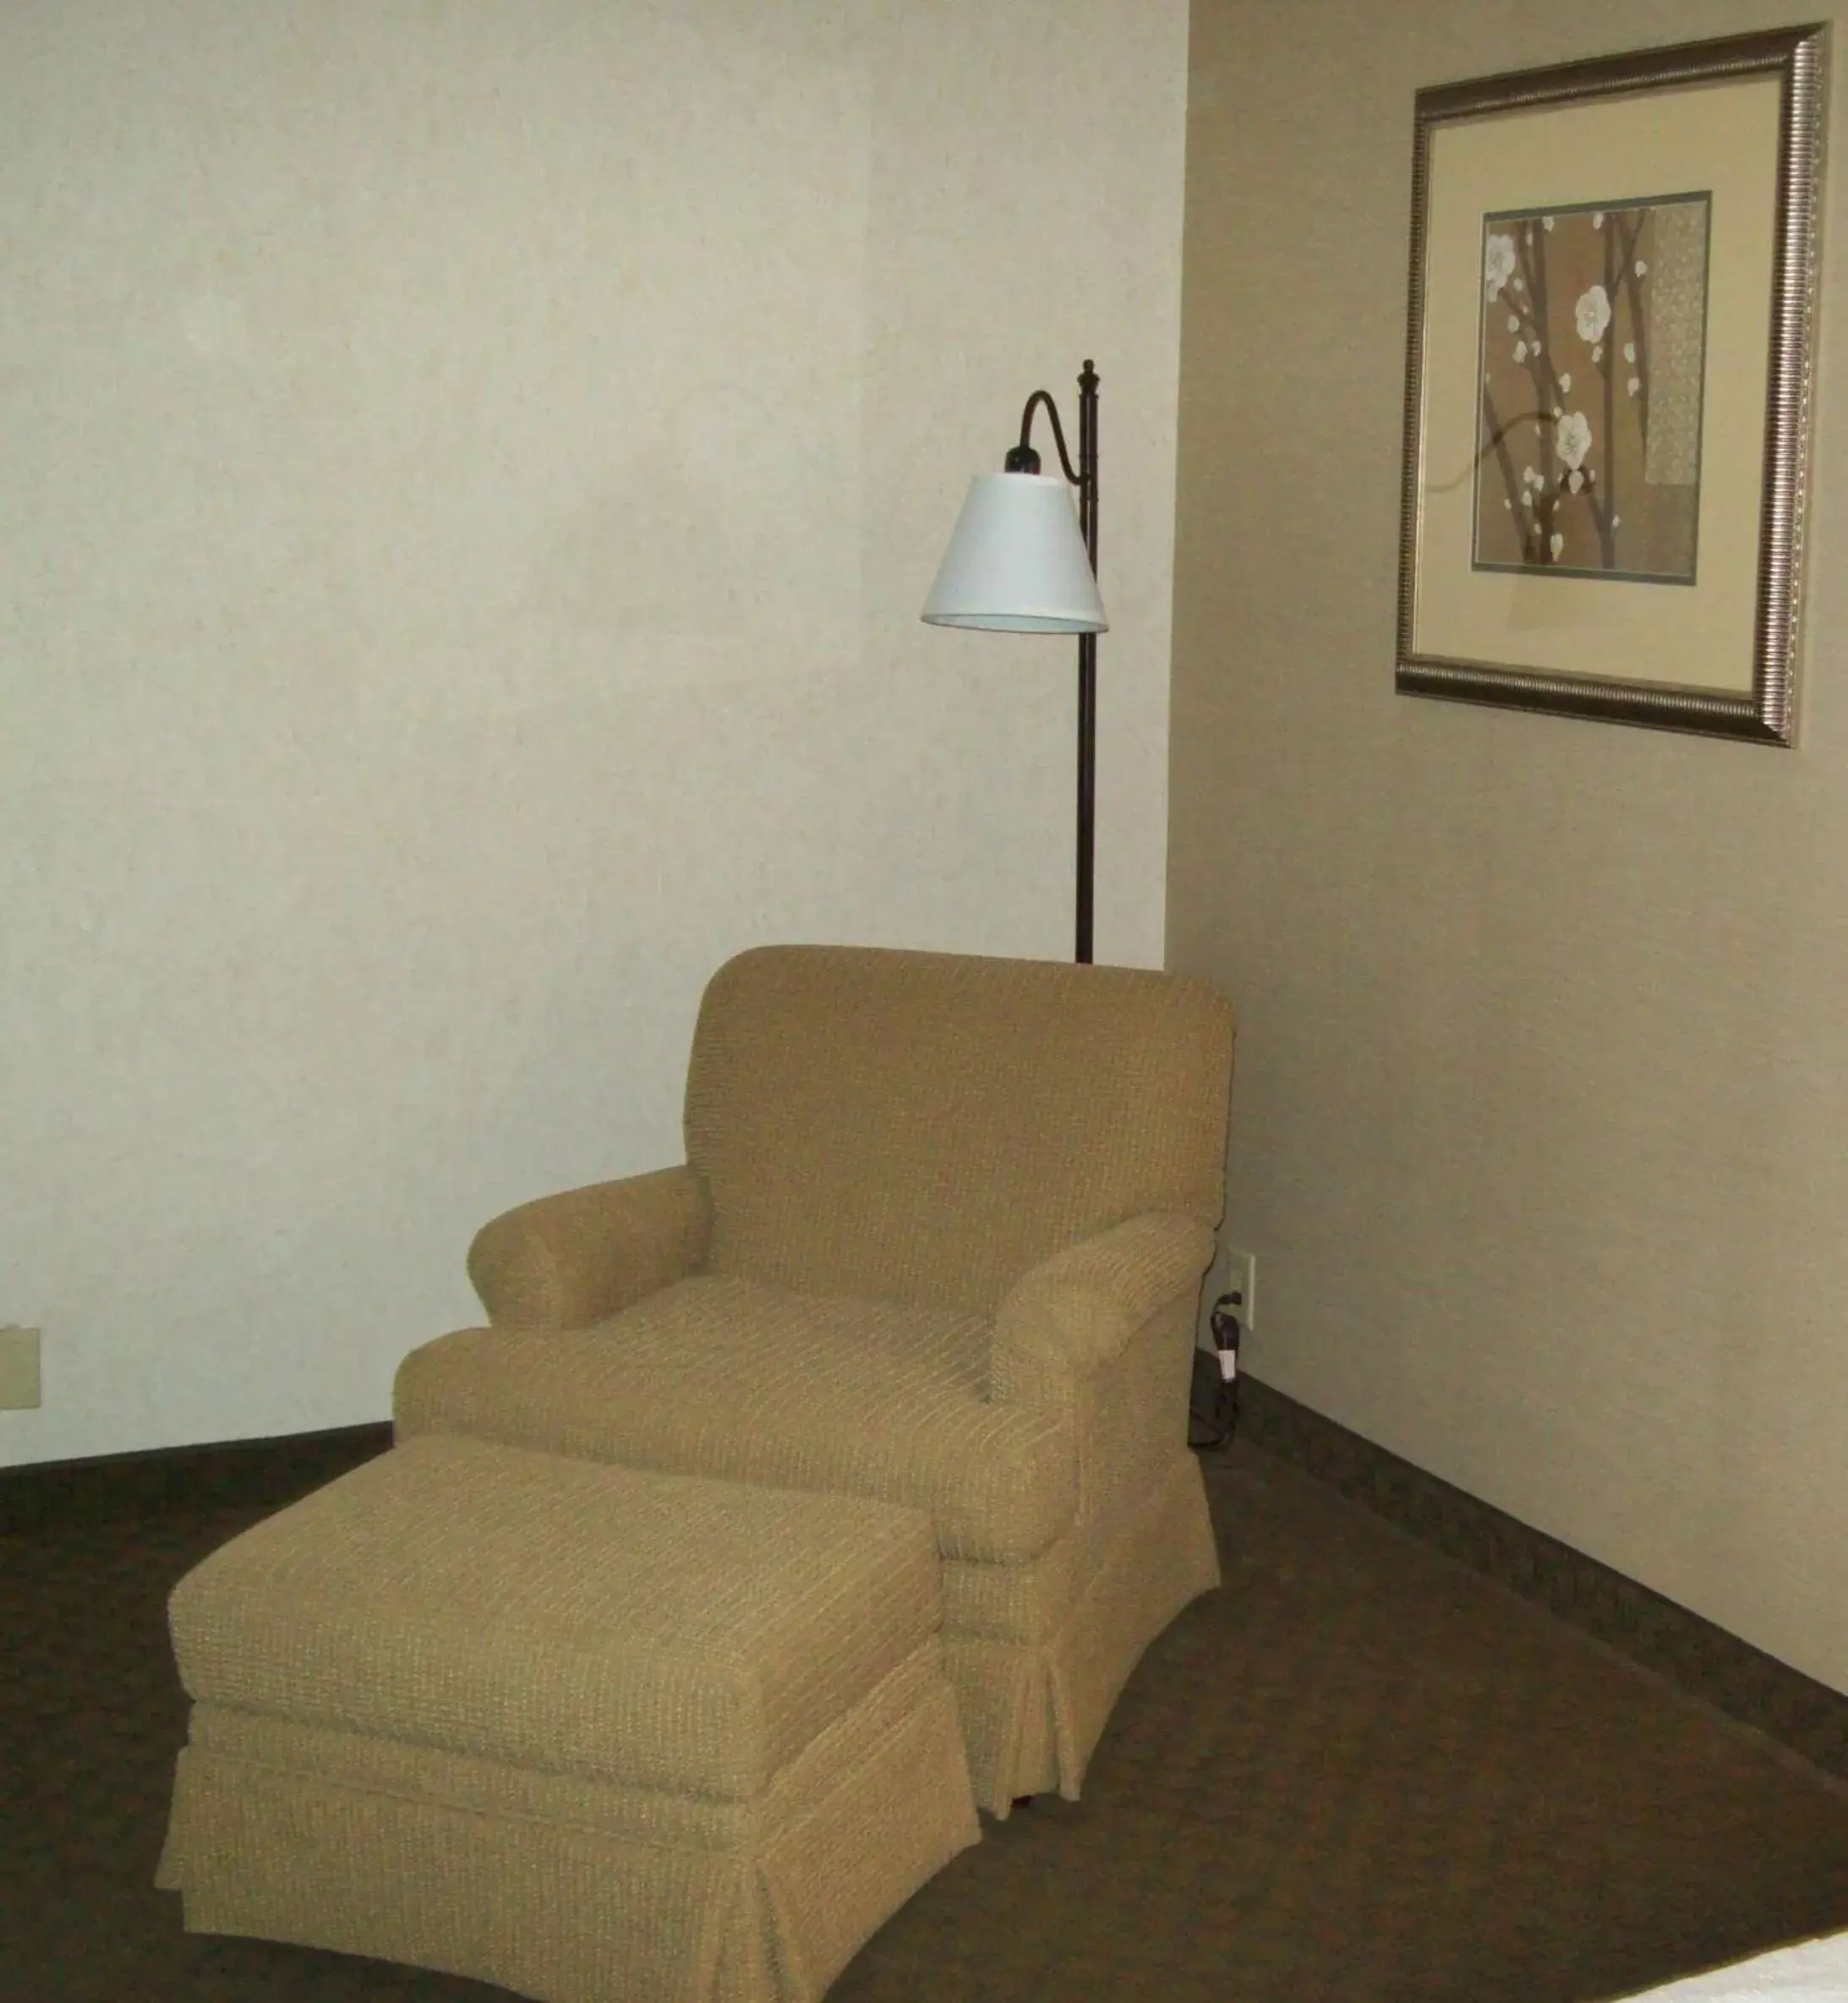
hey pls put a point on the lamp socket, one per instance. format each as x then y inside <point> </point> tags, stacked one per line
<point>18,1370</point>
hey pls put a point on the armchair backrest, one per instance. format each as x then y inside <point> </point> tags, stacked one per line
<point>926,1126</point>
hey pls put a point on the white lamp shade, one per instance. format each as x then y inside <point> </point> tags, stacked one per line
<point>1017,563</point>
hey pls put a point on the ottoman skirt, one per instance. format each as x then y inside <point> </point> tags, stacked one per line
<point>566,1867</point>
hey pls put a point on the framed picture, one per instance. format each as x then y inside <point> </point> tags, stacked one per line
<point>1613,289</point>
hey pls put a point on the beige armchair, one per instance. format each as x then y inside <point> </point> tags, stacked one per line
<point>938,1240</point>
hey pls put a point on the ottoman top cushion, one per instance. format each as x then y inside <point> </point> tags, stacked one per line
<point>657,1630</point>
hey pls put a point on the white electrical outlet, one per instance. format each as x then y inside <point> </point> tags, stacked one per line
<point>1237,1273</point>
<point>1241,1278</point>
<point>18,1370</point>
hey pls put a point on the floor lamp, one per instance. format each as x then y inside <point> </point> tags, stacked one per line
<point>1021,561</point>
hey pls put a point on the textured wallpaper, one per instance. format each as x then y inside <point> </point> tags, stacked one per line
<point>471,475</point>
<point>1543,1070</point>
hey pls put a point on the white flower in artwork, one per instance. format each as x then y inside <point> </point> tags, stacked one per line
<point>1616,521</point>
<point>1520,351</point>
<point>1574,480</point>
<point>1497,265</point>
<point>1536,347</point>
<point>1514,323</point>
<point>1527,497</point>
<point>1598,355</point>
<point>1629,351</point>
<point>1565,383</point>
<point>1636,384</point>
<point>1547,221</point>
<point>1509,505</point>
<point>1559,544</point>
<point>1643,270</point>
<point>1572,440</point>
<point>1592,314</point>
<point>1519,282</point>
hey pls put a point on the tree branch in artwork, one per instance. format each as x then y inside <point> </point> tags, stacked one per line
<point>1498,444</point>
<point>1596,260</point>
<point>1515,275</point>
<point>1572,323</point>
<point>1632,270</point>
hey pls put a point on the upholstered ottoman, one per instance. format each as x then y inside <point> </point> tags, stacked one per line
<point>585,1732</point>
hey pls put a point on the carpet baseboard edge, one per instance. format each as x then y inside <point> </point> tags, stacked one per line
<point>1718,1668</point>
<point>220,1474</point>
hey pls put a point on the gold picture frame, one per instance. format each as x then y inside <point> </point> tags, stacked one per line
<point>1610,358</point>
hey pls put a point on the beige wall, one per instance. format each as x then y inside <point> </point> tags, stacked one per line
<point>1542,1114</point>
<point>471,472</point>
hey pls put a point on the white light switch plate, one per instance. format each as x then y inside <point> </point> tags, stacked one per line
<point>1242,1279</point>
<point>18,1370</point>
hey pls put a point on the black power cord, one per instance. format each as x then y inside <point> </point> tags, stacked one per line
<point>1213,1414</point>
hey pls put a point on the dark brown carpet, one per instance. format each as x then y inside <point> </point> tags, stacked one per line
<point>1358,1772</point>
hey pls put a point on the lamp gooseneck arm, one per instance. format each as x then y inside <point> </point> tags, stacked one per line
<point>1022,458</point>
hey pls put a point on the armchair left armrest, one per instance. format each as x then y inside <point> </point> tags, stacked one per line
<point>568,1260</point>
<point>1075,1310</point>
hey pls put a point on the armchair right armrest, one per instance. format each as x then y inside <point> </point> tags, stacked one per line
<point>569,1259</point>
<point>1075,1310</point>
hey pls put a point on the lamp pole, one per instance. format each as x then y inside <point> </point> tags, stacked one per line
<point>1022,458</point>
<point>1087,661</point>
<point>1020,562</point>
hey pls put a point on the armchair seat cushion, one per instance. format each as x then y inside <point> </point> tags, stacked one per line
<point>748,1382</point>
